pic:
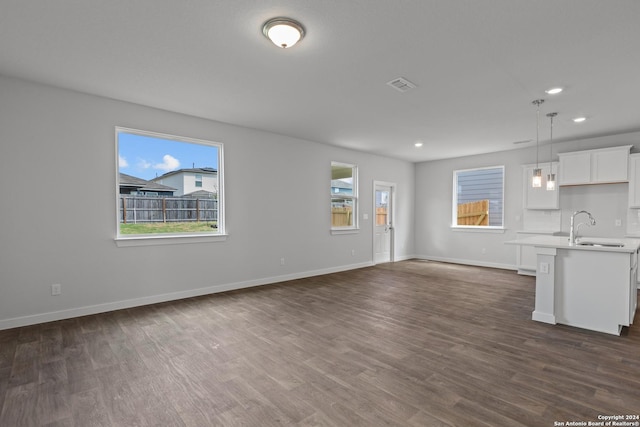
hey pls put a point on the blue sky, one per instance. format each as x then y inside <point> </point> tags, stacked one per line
<point>147,157</point>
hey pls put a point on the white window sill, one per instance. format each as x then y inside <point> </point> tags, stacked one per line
<point>156,240</point>
<point>478,229</point>
<point>337,231</point>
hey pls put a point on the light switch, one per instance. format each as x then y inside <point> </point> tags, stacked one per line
<point>365,216</point>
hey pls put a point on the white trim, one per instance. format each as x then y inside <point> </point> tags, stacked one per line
<point>354,196</point>
<point>478,229</point>
<point>392,214</point>
<point>173,296</point>
<point>338,231</point>
<point>454,201</point>
<point>167,239</point>
<point>163,239</point>
<point>468,262</point>
<point>543,317</point>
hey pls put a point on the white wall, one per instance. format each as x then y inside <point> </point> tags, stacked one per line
<point>57,212</point>
<point>435,239</point>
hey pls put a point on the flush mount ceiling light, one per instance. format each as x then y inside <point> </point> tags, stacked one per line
<point>283,32</point>
<point>418,144</point>
<point>554,90</point>
<point>579,119</point>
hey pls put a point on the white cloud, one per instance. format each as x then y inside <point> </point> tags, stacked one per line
<point>143,164</point>
<point>169,163</point>
<point>122,162</point>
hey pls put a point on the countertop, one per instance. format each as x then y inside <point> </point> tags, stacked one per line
<point>562,242</point>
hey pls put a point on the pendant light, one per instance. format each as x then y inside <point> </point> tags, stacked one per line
<point>551,178</point>
<point>536,181</point>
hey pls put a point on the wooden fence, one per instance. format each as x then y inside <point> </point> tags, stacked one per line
<point>381,216</point>
<point>341,217</point>
<point>137,209</point>
<point>474,213</point>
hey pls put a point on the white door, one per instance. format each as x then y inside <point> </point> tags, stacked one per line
<point>383,223</point>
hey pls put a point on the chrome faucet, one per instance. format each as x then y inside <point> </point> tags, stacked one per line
<point>573,230</point>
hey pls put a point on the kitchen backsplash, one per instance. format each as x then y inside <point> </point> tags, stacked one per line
<point>608,203</point>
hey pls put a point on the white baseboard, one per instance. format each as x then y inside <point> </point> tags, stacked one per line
<point>403,258</point>
<point>543,317</point>
<point>172,296</point>
<point>468,262</point>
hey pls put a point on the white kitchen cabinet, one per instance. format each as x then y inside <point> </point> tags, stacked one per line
<point>540,198</point>
<point>634,181</point>
<point>599,166</point>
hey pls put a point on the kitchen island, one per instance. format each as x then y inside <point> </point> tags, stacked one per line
<point>590,284</point>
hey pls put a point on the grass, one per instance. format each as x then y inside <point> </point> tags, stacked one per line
<point>168,227</point>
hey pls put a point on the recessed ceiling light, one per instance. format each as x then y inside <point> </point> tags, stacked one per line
<point>554,90</point>
<point>283,32</point>
<point>579,119</point>
<point>418,144</point>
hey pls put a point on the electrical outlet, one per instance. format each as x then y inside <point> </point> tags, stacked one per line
<point>618,223</point>
<point>544,267</point>
<point>282,261</point>
<point>56,289</point>
<point>353,252</point>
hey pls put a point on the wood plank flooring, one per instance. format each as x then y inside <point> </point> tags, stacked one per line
<point>415,343</point>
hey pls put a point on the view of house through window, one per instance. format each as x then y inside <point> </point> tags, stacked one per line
<point>168,184</point>
<point>344,195</point>
<point>478,197</point>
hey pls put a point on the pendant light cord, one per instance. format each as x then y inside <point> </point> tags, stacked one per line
<point>551,116</point>
<point>551,142</point>
<point>537,102</point>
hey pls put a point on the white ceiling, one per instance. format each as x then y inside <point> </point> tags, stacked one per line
<point>477,64</point>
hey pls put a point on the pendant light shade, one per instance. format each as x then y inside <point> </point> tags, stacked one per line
<point>551,178</point>
<point>283,32</point>
<point>536,181</point>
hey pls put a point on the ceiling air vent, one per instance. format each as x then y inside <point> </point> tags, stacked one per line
<point>401,84</point>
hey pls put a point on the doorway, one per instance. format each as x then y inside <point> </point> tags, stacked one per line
<point>383,223</point>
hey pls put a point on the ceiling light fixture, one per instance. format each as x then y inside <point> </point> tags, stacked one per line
<point>554,90</point>
<point>418,144</point>
<point>283,32</point>
<point>536,182</point>
<point>579,119</point>
<point>551,177</point>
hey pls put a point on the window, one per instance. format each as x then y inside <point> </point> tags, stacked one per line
<point>478,198</point>
<point>344,196</point>
<point>157,195</point>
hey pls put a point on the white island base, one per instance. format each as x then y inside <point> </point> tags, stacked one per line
<point>588,287</point>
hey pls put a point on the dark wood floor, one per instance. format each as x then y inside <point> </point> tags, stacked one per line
<point>414,343</point>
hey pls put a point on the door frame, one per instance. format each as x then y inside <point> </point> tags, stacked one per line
<point>392,226</point>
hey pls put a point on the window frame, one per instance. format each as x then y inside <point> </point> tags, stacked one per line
<point>347,229</point>
<point>454,203</point>
<point>124,240</point>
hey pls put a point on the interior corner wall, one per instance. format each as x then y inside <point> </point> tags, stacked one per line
<point>57,209</point>
<point>437,240</point>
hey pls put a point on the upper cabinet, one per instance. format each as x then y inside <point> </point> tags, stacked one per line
<point>634,181</point>
<point>540,198</point>
<point>600,166</point>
